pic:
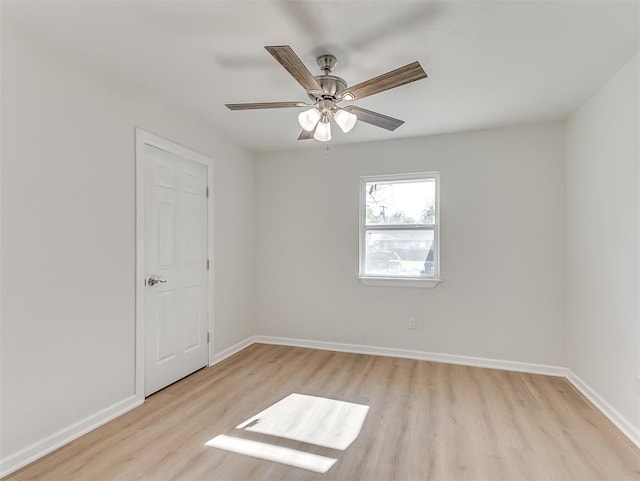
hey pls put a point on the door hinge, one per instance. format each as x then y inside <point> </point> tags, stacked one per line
<point>208,264</point>
<point>208,338</point>
<point>207,192</point>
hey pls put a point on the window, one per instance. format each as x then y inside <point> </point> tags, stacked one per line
<point>399,219</point>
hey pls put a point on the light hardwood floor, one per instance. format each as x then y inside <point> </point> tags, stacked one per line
<point>427,421</point>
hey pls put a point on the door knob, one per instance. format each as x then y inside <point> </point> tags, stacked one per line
<point>153,281</point>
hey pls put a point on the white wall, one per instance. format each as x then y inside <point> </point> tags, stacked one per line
<point>502,238</point>
<point>68,240</point>
<point>603,320</point>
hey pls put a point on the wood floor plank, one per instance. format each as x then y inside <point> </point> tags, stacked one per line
<point>426,421</point>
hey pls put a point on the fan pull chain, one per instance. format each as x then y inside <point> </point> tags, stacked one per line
<point>326,151</point>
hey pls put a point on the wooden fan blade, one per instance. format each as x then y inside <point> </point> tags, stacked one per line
<point>374,118</point>
<point>304,135</point>
<point>292,64</point>
<point>400,76</point>
<point>265,105</point>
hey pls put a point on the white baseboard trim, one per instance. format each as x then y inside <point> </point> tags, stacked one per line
<point>41,448</point>
<point>605,408</point>
<point>418,355</point>
<point>58,439</point>
<point>236,348</point>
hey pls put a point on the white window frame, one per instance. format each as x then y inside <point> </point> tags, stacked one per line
<point>398,281</point>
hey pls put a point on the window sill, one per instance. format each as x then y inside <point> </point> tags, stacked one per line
<point>400,282</point>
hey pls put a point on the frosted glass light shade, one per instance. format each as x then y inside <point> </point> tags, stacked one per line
<point>345,120</point>
<point>323,131</point>
<point>308,119</point>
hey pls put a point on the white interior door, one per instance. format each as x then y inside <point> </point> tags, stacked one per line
<point>175,265</point>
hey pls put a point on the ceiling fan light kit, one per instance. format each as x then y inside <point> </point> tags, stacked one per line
<point>323,130</point>
<point>326,91</point>
<point>309,119</point>
<point>345,120</point>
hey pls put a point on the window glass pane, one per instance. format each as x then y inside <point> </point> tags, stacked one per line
<point>402,253</point>
<point>397,203</point>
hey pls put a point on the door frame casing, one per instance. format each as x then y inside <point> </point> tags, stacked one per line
<point>144,138</point>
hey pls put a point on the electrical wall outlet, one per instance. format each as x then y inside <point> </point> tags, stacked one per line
<point>412,323</point>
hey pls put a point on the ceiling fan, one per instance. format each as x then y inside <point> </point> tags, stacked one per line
<point>326,91</point>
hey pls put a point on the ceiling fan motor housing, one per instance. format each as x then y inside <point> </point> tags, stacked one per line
<point>331,85</point>
<point>332,88</point>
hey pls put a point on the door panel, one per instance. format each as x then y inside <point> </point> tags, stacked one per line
<point>165,311</point>
<point>176,322</point>
<point>193,321</point>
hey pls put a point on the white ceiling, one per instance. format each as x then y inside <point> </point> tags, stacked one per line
<point>490,63</point>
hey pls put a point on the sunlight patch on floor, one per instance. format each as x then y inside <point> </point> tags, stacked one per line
<point>278,454</point>
<point>310,419</point>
